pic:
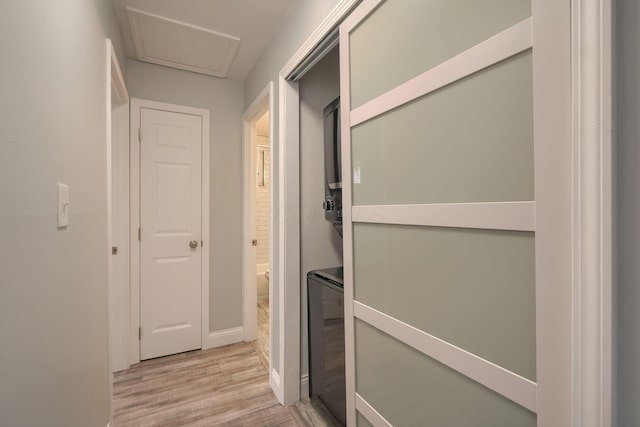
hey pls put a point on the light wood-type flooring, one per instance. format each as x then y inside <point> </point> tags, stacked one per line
<point>226,386</point>
<point>261,344</point>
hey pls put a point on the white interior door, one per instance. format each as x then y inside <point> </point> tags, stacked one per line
<point>171,232</point>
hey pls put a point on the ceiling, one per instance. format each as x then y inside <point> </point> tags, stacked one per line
<point>222,38</point>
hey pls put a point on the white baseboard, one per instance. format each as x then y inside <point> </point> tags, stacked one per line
<point>225,337</point>
<point>304,386</point>
<point>274,382</point>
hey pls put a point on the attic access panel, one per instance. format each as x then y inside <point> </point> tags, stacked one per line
<point>177,44</point>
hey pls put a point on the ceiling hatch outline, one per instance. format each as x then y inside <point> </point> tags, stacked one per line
<point>177,44</point>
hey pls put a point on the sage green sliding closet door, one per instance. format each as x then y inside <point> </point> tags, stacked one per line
<point>440,232</point>
<point>472,288</point>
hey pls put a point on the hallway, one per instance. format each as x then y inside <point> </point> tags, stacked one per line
<point>221,386</point>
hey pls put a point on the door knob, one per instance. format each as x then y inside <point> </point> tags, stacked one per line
<point>193,244</point>
<point>254,242</point>
<point>328,205</point>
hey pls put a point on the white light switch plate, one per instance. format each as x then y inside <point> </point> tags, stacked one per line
<point>64,205</point>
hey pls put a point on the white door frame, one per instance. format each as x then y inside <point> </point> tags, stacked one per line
<point>118,355</point>
<point>286,273</point>
<point>262,104</point>
<point>136,105</point>
<point>120,167</point>
<point>592,213</point>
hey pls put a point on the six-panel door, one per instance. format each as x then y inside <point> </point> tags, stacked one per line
<point>170,218</point>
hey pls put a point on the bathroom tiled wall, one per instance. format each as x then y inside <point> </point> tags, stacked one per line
<point>262,204</point>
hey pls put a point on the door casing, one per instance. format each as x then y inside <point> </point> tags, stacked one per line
<point>117,98</point>
<point>136,105</point>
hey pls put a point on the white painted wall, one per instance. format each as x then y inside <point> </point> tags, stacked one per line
<point>627,143</point>
<point>320,243</point>
<point>53,283</point>
<point>223,98</point>
<point>301,20</point>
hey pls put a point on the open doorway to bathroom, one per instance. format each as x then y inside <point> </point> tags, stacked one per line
<point>262,209</point>
<point>258,226</point>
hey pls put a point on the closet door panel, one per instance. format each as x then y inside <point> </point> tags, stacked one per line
<point>402,39</point>
<point>471,141</point>
<point>408,388</point>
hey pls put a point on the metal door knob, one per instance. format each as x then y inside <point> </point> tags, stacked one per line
<point>328,205</point>
<point>193,244</point>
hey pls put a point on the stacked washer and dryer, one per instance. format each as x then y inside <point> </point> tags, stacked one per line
<point>325,288</point>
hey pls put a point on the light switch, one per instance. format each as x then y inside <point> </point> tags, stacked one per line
<point>64,205</point>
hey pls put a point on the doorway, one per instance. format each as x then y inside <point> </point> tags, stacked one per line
<point>258,227</point>
<point>261,209</point>
<point>287,307</point>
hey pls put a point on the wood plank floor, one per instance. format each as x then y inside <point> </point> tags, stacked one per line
<point>261,344</point>
<point>226,386</point>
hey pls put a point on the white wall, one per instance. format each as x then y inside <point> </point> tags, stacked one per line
<point>320,243</point>
<point>627,142</point>
<point>301,20</point>
<point>53,287</point>
<point>223,98</point>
